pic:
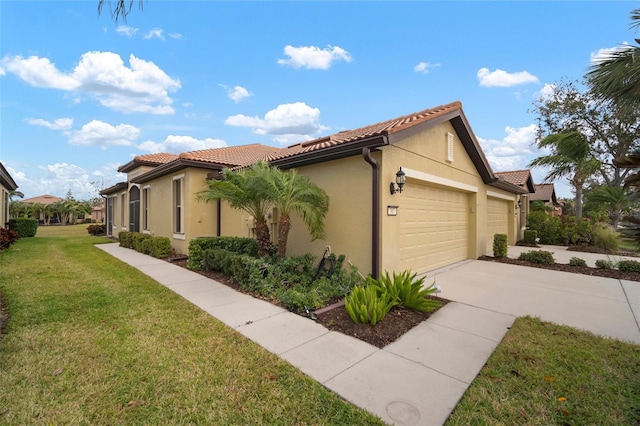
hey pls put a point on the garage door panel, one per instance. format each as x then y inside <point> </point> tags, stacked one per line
<point>433,228</point>
<point>497,220</point>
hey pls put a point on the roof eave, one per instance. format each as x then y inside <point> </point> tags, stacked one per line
<point>115,188</point>
<point>506,186</point>
<point>174,166</point>
<point>6,180</point>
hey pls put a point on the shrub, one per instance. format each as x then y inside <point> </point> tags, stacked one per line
<point>540,257</point>
<point>604,264</point>
<point>25,227</point>
<point>126,239</point>
<point>576,261</point>
<point>500,245</point>
<point>160,247</point>
<point>549,228</point>
<point>365,305</point>
<point>406,291</point>
<point>141,242</point>
<point>240,245</point>
<point>97,229</point>
<point>606,238</point>
<point>576,231</point>
<point>7,237</point>
<point>530,237</point>
<point>629,266</point>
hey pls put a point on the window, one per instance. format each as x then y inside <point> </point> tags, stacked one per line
<point>450,147</point>
<point>177,205</point>
<point>5,217</point>
<point>122,203</point>
<point>145,208</point>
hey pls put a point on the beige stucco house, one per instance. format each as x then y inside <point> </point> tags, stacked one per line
<point>7,184</point>
<point>448,210</point>
<point>546,192</point>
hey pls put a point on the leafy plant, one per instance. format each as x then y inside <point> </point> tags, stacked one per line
<point>25,227</point>
<point>605,237</point>
<point>541,257</point>
<point>500,245</point>
<point>530,237</point>
<point>629,266</point>
<point>576,261</point>
<point>366,306</point>
<point>97,229</point>
<point>240,245</point>
<point>7,237</point>
<point>549,228</point>
<point>605,264</point>
<point>406,291</point>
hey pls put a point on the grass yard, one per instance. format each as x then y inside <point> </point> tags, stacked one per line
<point>546,374</point>
<point>93,341</point>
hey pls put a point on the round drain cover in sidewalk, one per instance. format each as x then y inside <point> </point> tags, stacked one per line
<point>403,413</point>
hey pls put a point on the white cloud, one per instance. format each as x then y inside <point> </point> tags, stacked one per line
<point>177,144</point>
<point>513,152</point>
<point>57,124</point>
<point>312,57</point>
<point>501,78</point>
<point>606,53</point>
<point>424,67</point>
<point>286,122</point>
<point>175,36</point>
<point>154,33</point>
<point>141,87</point>
<point>547,91</point>
<point>126,30</point>
<point>103,135</point>
<point>236,93</point>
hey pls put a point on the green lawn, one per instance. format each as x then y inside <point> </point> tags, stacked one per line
<point>94,341</point>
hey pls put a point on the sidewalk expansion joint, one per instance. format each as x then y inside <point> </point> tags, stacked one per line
<point>431,368</point>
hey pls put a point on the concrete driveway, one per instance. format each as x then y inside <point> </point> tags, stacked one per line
<point>604,306</point>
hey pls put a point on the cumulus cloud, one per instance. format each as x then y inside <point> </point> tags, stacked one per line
<point>126,30</point>
<point>424,67</point>
<point>513,152</point>
<point>501,78</point>
<point>57,124</point>
<point>154,33</point>
<point>237,93</point>
<point>547,91</point>
<point>606,53</point>
<point>141,87</point>
<point>313,57</point>
<point>287,122</point>
<point>177,144</point>
<point>103,135</point>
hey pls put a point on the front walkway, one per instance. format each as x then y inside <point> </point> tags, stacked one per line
<point>420,378</point>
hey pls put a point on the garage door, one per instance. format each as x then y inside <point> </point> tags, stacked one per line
<point>433,227</point>
<point>497,220</point>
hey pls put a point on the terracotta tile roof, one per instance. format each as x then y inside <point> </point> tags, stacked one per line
<point>378,129</point>
<point>234,156</point>
<point>516,177</point>
<point>158,158</point>
<point>544,192</point>
<point>42,199</point>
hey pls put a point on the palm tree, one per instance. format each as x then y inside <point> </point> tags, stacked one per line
<point>293,192</point>
<point>570,157</point>
<point>614,199</point>
<point>618,77</point>
<point>247,190</point>
<point>15,194</point>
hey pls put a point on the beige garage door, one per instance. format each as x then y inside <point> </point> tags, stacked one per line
<point>497,220</point>
<point>433,227</point>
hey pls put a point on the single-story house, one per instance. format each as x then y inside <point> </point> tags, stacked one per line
<point>7,184</point>
<point>447,211</point>
<point>546,192</point>
<point>524,180</point>
<point>42,199</point>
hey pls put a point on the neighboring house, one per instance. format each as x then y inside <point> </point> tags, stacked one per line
<point>546,192</point>
<point>97,214</point>
<point>44,200</point>
<point>523,179</point>
<point>7,184</point>
<point>449,209</point>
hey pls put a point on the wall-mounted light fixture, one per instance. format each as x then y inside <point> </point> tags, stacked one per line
<point>392,210</point>
<point>401,178</point>
<point>519,203</point>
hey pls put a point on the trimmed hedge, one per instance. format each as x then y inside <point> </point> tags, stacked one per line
<point>530,236</point>
<point>25,227</point>
<point>97,229</point>
<point>540,257</point>
<point>500,245</point>
<point>629,266</point>
<point>159,247</point>
<point>239,245</point>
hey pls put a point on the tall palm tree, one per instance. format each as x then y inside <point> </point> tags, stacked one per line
<point>614,199</point>
<point>570,157</point>
<point>247,190</point>
<point>15,194</point>
<point>292,192</point>
<point>617,78</point>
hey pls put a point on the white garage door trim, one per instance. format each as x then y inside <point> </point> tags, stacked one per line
<point>426,177</point>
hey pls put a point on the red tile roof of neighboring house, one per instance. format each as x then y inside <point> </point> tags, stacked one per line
<point>234,156</point>
<point>544,192</point>
<point>378,129</point>
<point>148,160</point>
<point>42,199</point>
<point>516,177</point>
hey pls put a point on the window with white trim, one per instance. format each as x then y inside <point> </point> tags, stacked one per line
<point>123,201</point>
<point>178,213</point>
<point>146,193</point>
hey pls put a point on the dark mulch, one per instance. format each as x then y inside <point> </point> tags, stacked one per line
<point>585,270</point>
<point>591,249</point>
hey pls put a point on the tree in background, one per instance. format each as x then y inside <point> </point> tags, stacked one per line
<point>570,157</point>
<point>119,8</point>
<point>617,78</point>
<point>613,200</point>
<point>611,131</point>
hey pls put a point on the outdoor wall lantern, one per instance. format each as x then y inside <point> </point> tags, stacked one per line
<point>519,203</point>
<point>401,178</point>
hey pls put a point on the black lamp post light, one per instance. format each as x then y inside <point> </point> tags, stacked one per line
<point>401,178</point>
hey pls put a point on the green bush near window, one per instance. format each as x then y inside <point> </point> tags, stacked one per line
<point>629,266</point>
<point>159,247</point>
<point>500,245</point>
<point>25,227</point>
<point>126,239</point>
<point>530,237</point>
<point>240,245</point>
<point>541,257</point>
<point>576,261</point>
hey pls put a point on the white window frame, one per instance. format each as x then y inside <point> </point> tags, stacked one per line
<point>177,207</point>
<point>123,203</point>
<point>146,196</point>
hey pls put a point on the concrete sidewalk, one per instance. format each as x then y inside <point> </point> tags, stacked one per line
<point>420,378</point>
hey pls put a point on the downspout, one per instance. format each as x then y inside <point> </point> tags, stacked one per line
<point>375,213</point>
<point>218,220</point>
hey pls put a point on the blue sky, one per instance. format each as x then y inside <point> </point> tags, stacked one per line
<point>81,94</point>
